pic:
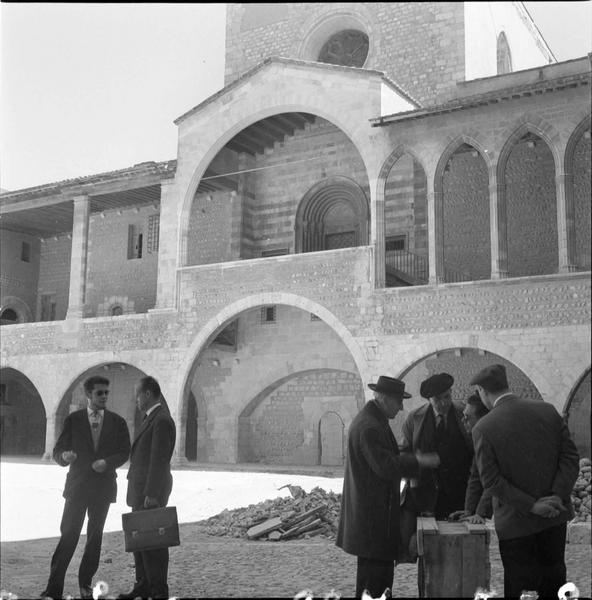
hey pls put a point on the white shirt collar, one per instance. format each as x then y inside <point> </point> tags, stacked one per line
<point>90,411</point>
<point>502,396</point>
<point>152,408</point>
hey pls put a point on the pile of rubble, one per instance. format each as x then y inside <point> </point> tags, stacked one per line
<point>297,516</point>
<point>580,495</point>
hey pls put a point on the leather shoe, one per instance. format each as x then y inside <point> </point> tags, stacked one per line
<point>86,592</point>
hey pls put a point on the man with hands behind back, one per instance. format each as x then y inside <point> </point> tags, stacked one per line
<point>94,442</point>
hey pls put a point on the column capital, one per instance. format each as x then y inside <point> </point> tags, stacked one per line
<point>81,199</point>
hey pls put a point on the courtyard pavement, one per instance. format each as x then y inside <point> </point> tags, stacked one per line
<point>203,566</point>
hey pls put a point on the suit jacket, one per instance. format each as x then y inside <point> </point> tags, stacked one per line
<point>415,437</point>
<point>149,473</point>
<point>524,451</point>
<point>477,500</point>
<point>114,448</point>
<point>369,518</point>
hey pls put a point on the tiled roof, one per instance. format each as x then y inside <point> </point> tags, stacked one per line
<point>165,170</point>
<point>491,97</point>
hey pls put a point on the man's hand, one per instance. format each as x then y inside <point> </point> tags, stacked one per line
<point>99,465</point>
<point>457,515</point>
<point>68,456</point>
<point>150,502</point>
<point>548,507</point>
<point>429,460</point>
<point>473,519</point>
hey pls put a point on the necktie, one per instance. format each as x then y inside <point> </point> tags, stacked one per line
<point>440,427</point>
<point>95,427</point>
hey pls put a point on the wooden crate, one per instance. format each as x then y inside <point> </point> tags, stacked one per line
<point>453,558</point>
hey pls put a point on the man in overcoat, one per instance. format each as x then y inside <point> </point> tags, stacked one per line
<point>437,426</point>
<point>528,462</point>
<point>94,442</point>
<point>150,483</point>
<point>369,519</point>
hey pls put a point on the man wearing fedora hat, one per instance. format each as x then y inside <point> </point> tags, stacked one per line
<point>528,462</point>
<point>437,427</point>
<point>369,519</point>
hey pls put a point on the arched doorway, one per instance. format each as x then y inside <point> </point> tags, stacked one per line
<point>331,439</point>
<point>332,214</point>
<point>22,416</point>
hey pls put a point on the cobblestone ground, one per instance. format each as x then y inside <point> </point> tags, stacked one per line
<point>206,567</point>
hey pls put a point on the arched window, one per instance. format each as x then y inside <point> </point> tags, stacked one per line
<point>8,317</point>
<point>116,311</point>
<point>504,56</point>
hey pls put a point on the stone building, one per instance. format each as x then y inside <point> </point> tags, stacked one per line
<point>379,188</point>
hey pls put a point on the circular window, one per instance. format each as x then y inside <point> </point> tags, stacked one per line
<point>348,48</point>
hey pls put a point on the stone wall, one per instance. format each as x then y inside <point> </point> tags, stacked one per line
<point>418,45</point>
<point>54,271</point>
<point>112,277</point>
<point>582,194</point>
<point>19,278</point>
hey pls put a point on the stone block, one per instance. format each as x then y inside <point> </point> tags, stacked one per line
<point>579,533</point>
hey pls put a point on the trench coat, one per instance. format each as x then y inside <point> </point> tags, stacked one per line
<point>369,518</point>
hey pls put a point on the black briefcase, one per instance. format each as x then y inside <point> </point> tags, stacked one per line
<point>150,529</point>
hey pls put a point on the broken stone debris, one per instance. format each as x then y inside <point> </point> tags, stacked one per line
<point>298,516</point>
<point>581,495</point>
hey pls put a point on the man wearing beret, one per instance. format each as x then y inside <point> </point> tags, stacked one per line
<point>529,464</point>
<point>369,518</point>
<point>437,427</point>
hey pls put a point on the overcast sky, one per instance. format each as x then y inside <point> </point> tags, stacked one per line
<point>88,88</point>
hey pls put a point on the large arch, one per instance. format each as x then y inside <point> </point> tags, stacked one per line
<point>256,436</point>
<point>577,411</point>
<point>21,308</point>
<point>22,415</point>
<point>122,377</point>
<point>318,202</point>
<point>242,121</point>
<point>228,313</point>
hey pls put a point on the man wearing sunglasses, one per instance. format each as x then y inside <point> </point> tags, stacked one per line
<point>93,442</point>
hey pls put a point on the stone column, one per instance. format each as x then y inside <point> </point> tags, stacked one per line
<point>377,233</point>
<point>435,233</point>
<point>166,286</point>
<point>498,228</point>
<point>50,436</point>
<point>566,226</point>
<point>78,258</point>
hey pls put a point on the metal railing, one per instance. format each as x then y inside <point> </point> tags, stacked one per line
<point>413,269</point>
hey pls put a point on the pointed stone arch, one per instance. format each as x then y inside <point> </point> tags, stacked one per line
<point>316,205</point>
<point>463,222</point>
<point>531,213</point>
<point>576,167</point>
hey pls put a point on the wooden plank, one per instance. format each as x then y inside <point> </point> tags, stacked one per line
<point>263,528</point>
<point>314,511</point>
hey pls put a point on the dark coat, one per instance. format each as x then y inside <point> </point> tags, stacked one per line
<point>114,448</point>
<point>523,452</point>
<point>477,501</point>
<point>369,519</point>
<point>149,473</point>
<point>419,435</point>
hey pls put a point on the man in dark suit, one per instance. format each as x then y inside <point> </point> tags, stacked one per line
<point>437,427</point>
<point>150,483</point>
<point>94,442</point>
<point>369,518</point>
<point>529,464</point>
<point>477,502</point>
